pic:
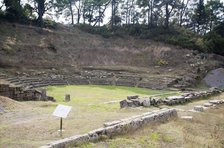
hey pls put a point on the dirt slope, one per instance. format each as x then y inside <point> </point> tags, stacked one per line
<point>27,47</point>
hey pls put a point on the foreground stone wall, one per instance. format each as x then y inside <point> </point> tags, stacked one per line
<point>20,94</point>
<point>115,128</point>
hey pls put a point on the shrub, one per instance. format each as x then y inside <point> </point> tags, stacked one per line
<point>161,62</point>
<point>50,24</point>
<point>214,40</point>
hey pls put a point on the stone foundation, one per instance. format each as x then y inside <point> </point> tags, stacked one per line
<point>135,101</point>
<point>20,94</point>
<point>174,100</point>
<point>119,127</point>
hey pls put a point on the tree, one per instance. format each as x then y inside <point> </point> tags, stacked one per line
<point>170,6</point>
<point>215,11</point>
<point>149,5</point>
<point>183,7</point>
<point>65,5</point>
<point>41,7</point>
<point>200,17</point>
<point>115,18</point>
<point>128,11</point>
<point>215,39</point>
<point>14,10</point>
<point>101,6</point>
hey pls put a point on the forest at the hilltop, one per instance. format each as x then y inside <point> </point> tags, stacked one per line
<point>193,24</point>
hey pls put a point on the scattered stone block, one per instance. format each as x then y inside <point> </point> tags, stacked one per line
<point>216,102</point>
<point>123,103</point>
<point>111,123</point>
<point>67,98</point>
<point>146,103</point>
<point>208,104</point>
<point>186,117</point>
<point>43,94</point>
<point>199,108</point>
<point>132,97</point>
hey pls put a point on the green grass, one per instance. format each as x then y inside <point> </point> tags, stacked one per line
<point>97,93</point>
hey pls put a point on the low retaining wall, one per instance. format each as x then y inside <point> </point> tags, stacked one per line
<point>19,94</point>
<point>120,127</point>
<point>174,100</point>
<point>135,101</point>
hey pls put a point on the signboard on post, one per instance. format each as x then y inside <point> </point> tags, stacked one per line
<point>62,112</point>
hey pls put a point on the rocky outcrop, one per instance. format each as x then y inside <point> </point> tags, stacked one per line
<point>215,78</point>
<point>118,127</point>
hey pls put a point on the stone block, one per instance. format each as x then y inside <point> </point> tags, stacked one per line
<point>132,97</point>
<point>146,103</point>
<point>208,104</point>
<point>199,108</point>
<point>123,103</point>
<point>67,98</point>
<point>216,102</point>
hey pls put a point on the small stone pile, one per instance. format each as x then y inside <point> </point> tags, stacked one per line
<point>135,101</point>
<point>211,103</point>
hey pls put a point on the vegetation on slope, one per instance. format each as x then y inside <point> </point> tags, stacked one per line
<point>190,24</point>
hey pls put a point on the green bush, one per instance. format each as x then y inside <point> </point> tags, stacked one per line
<point>214,40</point>
<point>161,62</point>
<point>50,24</point>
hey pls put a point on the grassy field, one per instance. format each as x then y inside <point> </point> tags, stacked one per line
<point>32,124</point>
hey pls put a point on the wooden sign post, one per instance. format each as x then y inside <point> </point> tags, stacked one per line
<point>62,112</point>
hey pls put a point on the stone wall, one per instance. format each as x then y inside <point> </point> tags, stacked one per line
<point>135,101</point>
<point>174,100</point>
<point>20,94</point>
<point>118,127</point>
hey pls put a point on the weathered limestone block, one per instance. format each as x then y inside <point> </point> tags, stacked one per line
<point>132,97</point>
<point>208,104</point>
<point>67,98</point>
<point>43,94</point>
<point>216,102</point>
<point>111,123</point>
<point>123,103</point>
<point>146,103</point>
<point>136,102</point>
<point>199,108</point>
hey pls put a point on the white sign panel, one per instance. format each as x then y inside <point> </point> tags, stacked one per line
<point>62,111</point>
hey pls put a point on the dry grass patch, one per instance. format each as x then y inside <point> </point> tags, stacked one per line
<point>205,130</point>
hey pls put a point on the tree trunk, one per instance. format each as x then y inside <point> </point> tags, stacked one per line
<point>148,16</point>
<point>151,15</point>
<point>167,17</point>
<point>71,11</point>
<point>79,15</point>
<point>41,11</point>
<point>112,15</point>
<point>99,16</point>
